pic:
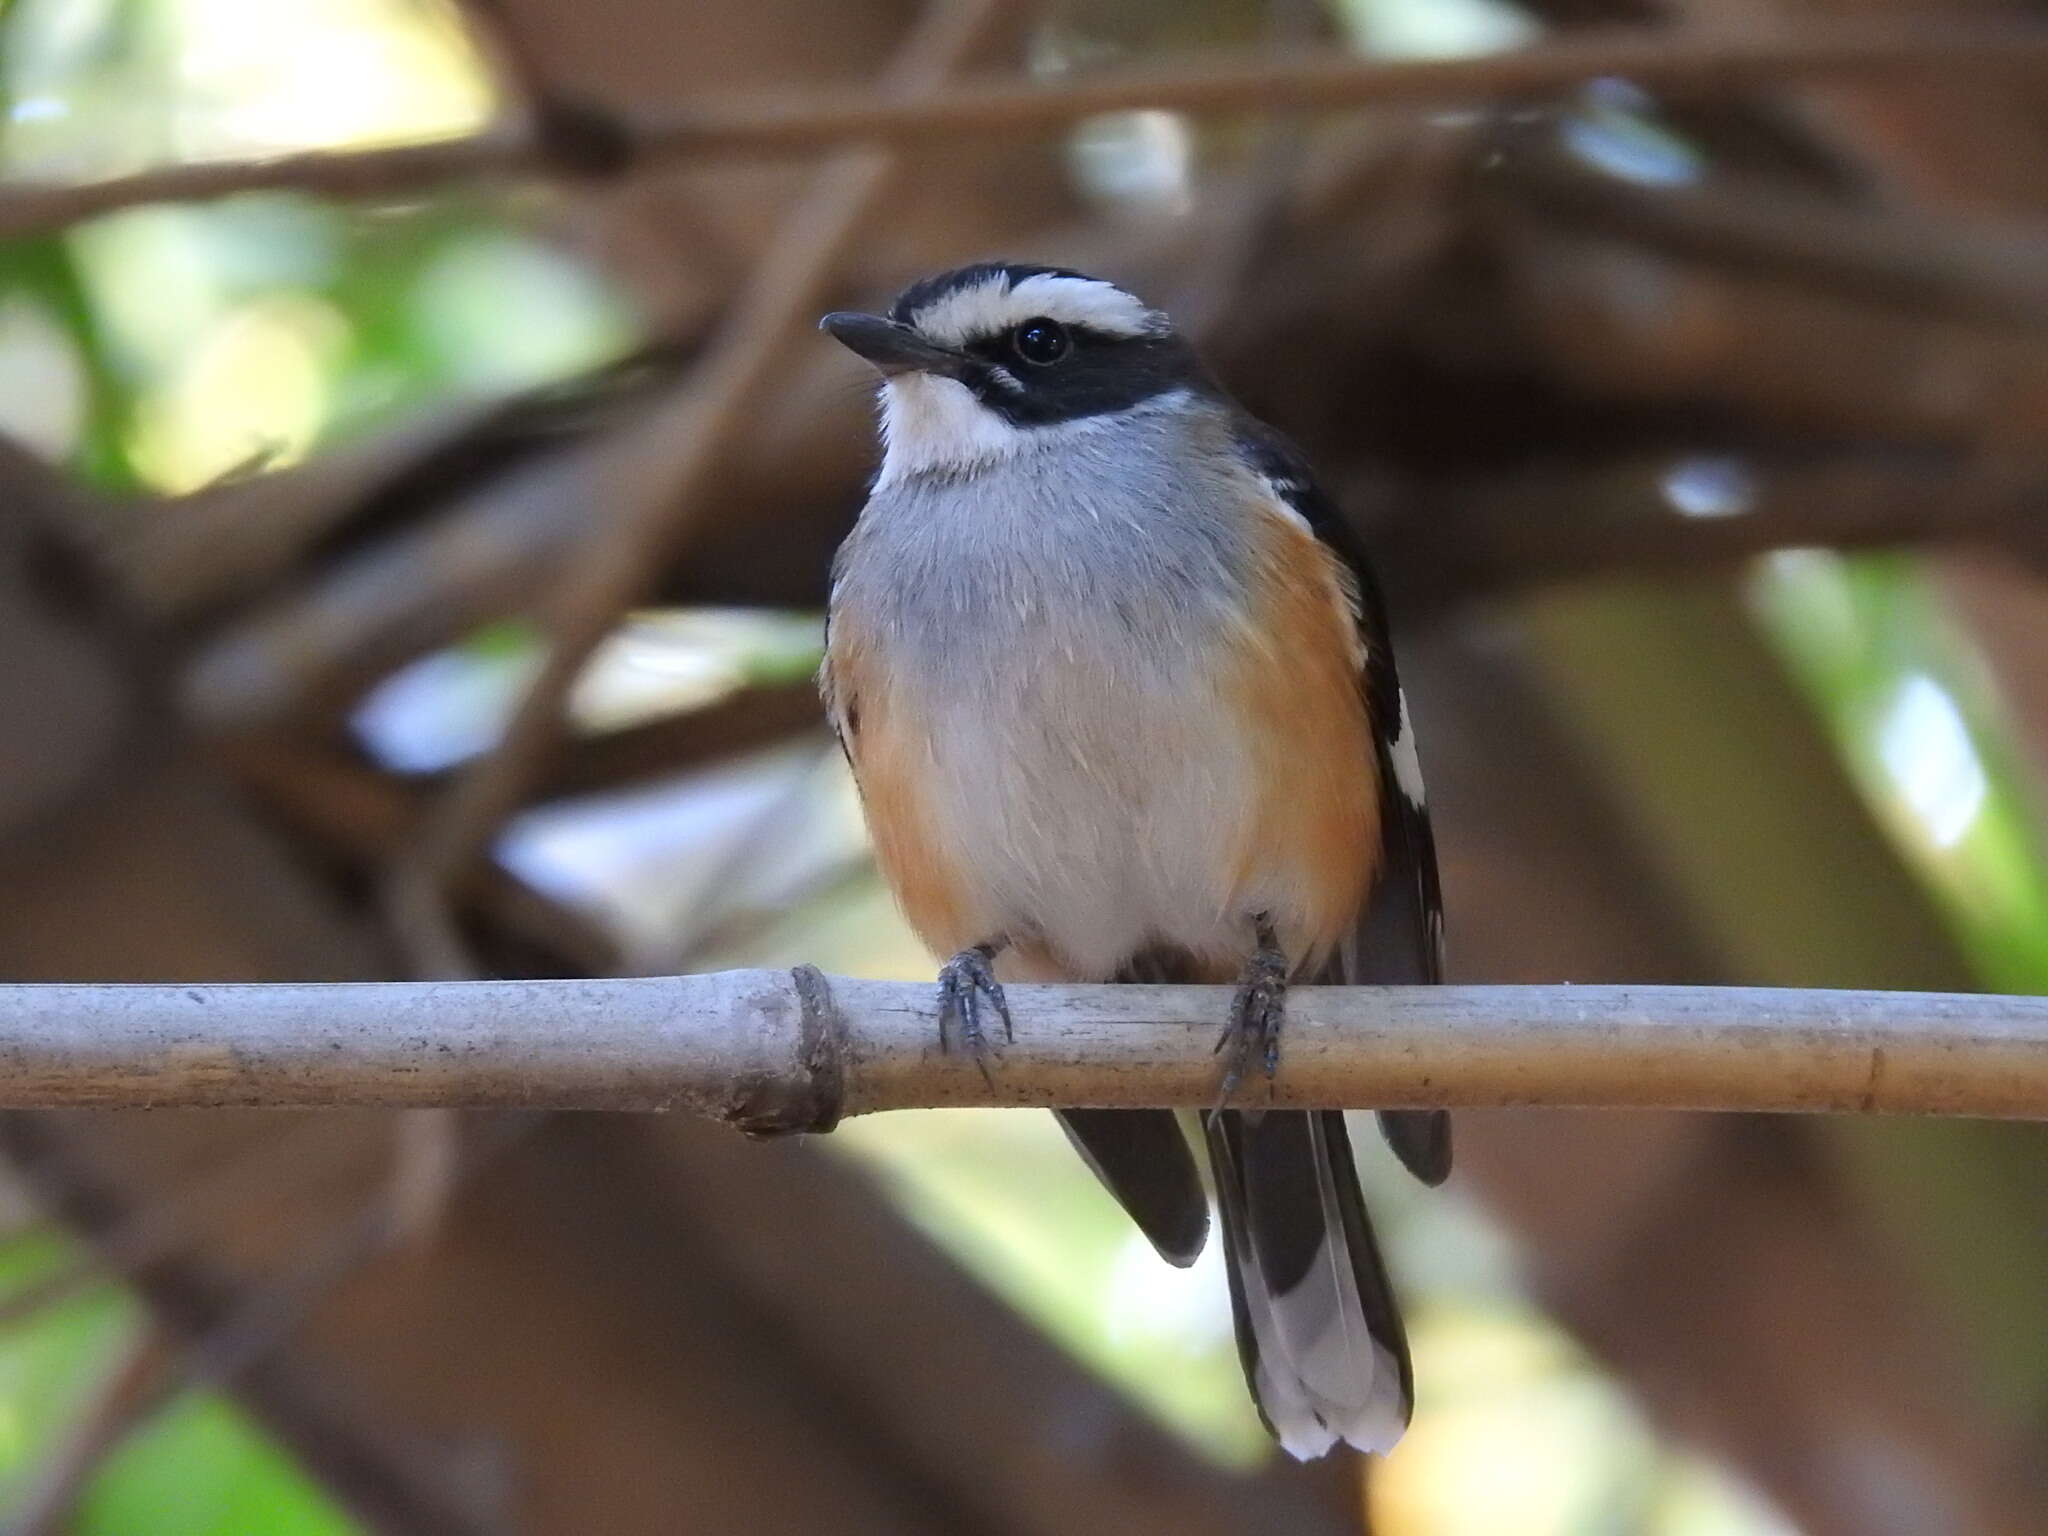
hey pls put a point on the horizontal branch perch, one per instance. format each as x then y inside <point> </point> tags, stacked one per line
<point>1672,61</point>
<point>794,1050</point>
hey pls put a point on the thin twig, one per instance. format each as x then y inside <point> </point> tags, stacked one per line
<point>654,486</point>
<point>775,1050</point>
<point>1675,62</point>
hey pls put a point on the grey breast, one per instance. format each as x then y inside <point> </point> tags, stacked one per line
<point>1119,538</point>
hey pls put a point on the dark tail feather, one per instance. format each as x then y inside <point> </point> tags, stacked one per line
<point>1145,1161</point>
<point>1140,1155</point>
<point>1317,1329</point>
<point>1421,1138</point>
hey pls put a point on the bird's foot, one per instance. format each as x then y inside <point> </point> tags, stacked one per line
<point>967,985</point>
<point>1256,1014</point>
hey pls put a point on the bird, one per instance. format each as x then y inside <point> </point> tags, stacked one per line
<point>1113,678</point>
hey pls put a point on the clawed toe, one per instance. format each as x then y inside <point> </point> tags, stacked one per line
<point>967,984</point>
<point>1256,1015</point>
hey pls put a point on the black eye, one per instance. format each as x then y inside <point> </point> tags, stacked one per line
<point>1041,342</point>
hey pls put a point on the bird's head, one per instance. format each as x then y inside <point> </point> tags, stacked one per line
<point>986,361</point>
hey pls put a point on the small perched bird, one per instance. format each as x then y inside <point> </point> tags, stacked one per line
<point>1114,680</point>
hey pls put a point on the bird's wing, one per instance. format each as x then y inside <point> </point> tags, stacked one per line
<point>1399,938</point>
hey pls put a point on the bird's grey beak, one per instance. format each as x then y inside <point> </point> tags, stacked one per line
<point>891,347</point>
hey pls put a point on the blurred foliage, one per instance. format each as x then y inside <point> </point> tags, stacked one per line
<point>198,1468</point>
<point>168,347</point>
<point>1921,730</point>
<point>201,1468</point>
<point>177,346</point>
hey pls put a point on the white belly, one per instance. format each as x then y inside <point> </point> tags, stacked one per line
<point>1095,818</point>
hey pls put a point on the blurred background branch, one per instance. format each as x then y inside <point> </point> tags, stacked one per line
<point>1710,63</point>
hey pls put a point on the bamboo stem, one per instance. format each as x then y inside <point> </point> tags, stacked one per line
<point>780,1051</point>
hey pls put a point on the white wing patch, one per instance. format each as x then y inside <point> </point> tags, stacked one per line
<point>992,306</point>
<point>1407,766</point>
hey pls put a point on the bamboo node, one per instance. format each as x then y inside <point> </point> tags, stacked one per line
<point>811,1096</point>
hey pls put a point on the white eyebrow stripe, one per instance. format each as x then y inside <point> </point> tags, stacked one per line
<point>978,310</point>
<point>1086,301</point>
<point>990,307</point>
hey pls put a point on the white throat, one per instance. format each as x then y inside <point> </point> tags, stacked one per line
<point>934,425</point>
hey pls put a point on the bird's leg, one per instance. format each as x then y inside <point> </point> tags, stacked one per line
<point>964,982</point>
<point>1256,1013</point>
